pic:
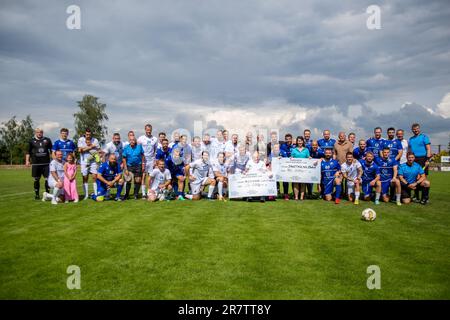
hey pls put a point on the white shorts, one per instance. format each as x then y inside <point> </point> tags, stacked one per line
<point>149,165</point>
<point>89,168</point>
<point>52,183</point>
<point>196,186</point>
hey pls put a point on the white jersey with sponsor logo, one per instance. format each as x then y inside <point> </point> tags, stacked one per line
<point>201,170</point>
<point>216,147</point>
<point>351,169</point>
<point>196,152</point>
<point>149,144</point>
<point>58,167</point>
<point>112,148</point>
<point>254,167</point>
<point>84,156</point>
<point>221,167</point>
<point>159,177</point>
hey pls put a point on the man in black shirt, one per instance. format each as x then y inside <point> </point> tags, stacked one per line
<point>39,150</point>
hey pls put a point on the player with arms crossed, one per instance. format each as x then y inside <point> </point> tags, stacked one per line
<point>109,176</point>
<point>388,175</point>
<point>331,177</point>
<point>352,172</point>
<point>149,144</point>
<point>370,178</point>
<point>160,182</point>
<point>39,150</point>
<point>200,174</point>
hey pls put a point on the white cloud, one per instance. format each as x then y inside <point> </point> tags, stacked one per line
<point>443,108</point>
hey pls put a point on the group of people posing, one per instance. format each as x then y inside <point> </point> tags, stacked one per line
<point>387,168</point>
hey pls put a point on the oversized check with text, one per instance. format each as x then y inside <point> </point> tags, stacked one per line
<point>296,170</point>
<point>251,185</point>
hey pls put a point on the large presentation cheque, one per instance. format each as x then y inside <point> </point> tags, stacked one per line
<point>251,185</point>
<point>296,170</point>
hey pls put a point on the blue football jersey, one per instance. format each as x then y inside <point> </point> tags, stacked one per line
<point>108,171</point>
<point>329,168</point>
<point>386,167</point>
<point>394,146</point>
<point>375,145</point>
<point>370,170</point>
<point>326,144</point>
<point>66,147</point>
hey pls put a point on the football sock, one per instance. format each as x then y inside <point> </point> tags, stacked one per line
<point>188,196</point>
<point>220,188</point>
<point>136,190</point>
<point>55,193</point>
<point>377,196</point>
<point>127,189</point>
<point>94,185</point>
<point>210,191</point>
<point>357,195</point>
<point>338,191</point>
<point>119,190</point>
<point>143,190</point>
<point>47,188</point>
<point>86,189</point>
<point>398,196</point>
<point>425,193</point>
<point>36,187</point>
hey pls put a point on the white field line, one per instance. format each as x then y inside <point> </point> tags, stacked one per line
<point>14,194</point>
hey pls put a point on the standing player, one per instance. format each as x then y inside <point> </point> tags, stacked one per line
<point>206,143</point>
<point>133,160</point>
<point>388,175</point>
<point>56,179</point>
<point>352,138</point>
<point>331,177</point>
<point>231,148</point>
<point>376,143</point>
<point>308,140</point>
<point>64,144</point>
<point>359,153</point>
<point>161,137</point>
<point>200,174</point>
<point>88,147</point>
<point>352,172</point>
<point>220,169</point>
<point>412,177</point>
<point>175,139</point>
<point>315,152</point>
<point>149,144</point>
<point>285,152</point>
<point>217,145</point>
<point>39,150</point>
<point>160,182</point>
<point>370,178</point>
<point>196,148</point>
<point>404,142</point>
<point>115,146</point>
<point>326,142</point>
<point>394,145</point>
<point>164,152</point>
<point>420,145</point>
<point>109,176</point>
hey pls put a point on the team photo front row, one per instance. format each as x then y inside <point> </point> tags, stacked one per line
<point>390,169</point>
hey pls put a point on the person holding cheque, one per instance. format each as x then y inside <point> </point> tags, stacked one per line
<point>300,151</point>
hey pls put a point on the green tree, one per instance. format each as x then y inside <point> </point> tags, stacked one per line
<point>92,115</point>
<point>14,137</point>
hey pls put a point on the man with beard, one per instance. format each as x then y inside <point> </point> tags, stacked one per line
<point>412,177</point>
<point>149,144</point>
<point>370,178</point>
<point>115,146</point>
<point>200,174</point>
<point>359,153</point>
<point>376,143</point>
<point>331,177</point>
<point>388,175</point>
<point>394,145</point>
<point>109,176</point>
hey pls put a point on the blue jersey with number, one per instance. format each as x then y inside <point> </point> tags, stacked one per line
<point>375,145</point>
<point>326,144</point>
<point>394,146</point>
<point>386,167</point>
<point>370,170</point>
<point>329,168</point>
<point>359,154</point>
<point>66,147</point>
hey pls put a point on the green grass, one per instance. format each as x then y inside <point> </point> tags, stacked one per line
<point>215,250</point>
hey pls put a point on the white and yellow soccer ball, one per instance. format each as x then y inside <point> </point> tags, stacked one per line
<point>368,214</point>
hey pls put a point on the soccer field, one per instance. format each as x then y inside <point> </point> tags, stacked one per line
<point>221,250</point>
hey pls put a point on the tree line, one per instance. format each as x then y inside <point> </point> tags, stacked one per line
<point>15,134</point>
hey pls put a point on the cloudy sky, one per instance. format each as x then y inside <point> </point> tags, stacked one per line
<point>270,64</point>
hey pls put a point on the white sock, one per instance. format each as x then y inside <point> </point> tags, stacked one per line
<point>188,196</point>
<point>94,185</point>
<point>210,191</point>
<point>220,187</point>
<point>143,190</point>
<point>55,193</point>
<point>357,195</point>
<point>398,196</point>
<point>86,189</point>
<point>377,196</point>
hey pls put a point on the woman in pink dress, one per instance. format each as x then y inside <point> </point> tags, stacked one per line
<point>70,183</point>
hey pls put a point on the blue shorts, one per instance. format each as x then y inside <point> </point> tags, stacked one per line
<point>327,186</point>
<point>366,187</point>
<point>385,186</point>
<point>102,188</point>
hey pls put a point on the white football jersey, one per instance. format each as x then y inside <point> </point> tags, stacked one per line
<point>111,148</point>
<point>254,167</point>
<point>149,144</point>
<point>405,151</point>
<point>159,177</point>
<point>82,144</point>
<point>351,169</point>
<point>201,170</point>
<point>58,167</point>
<point>222,168</point>
<point>216,147</point>
<point>196,152</point>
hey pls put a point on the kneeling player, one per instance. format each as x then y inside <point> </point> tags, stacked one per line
<point>200,175</point>
<point>370,178</point>
<point>109,176</point>
<point>388,175</point>
<point>352,172</point>
<point>220,169</point>
<point>56,179</point>
<point>160,180</point>
<point>412,177</point>
<point>175,164</point>
<point>331,177</point>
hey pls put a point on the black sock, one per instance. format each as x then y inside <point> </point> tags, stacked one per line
<point>136,189</point>
<point>36,187</point>
<point>47,188</point>
<point>425,193</point>
<point>127,190</point>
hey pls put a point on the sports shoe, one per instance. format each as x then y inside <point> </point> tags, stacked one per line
<point>398,203</point>
<point>337,201</point>
<point>286,197</point>
<point>44,196</point>
<point>415,200</point>
<point>75,201</point>
<point>54,201</point>
<point>36,197</point>
<point>356,201</point>
<point>118,199</point>
<point>424,202</point>
<point>144,197</point>
<point>377,202</point>
<point>181,198</point>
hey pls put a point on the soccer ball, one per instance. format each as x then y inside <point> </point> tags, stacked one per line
<point>368,214</point>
